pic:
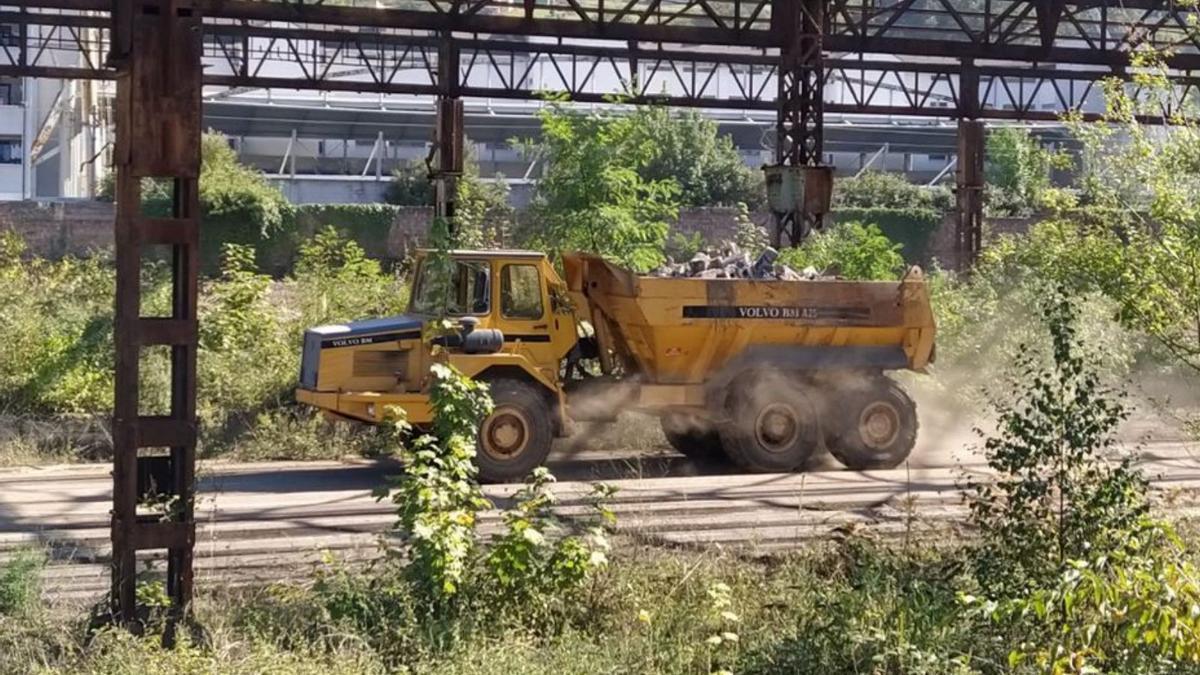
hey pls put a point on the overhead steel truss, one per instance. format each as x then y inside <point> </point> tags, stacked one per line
<point>989,63</point>
<point>965,59</point>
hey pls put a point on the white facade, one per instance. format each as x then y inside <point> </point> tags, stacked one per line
<point>14,179</point>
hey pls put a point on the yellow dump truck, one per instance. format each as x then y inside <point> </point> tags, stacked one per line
<point>763,372</point>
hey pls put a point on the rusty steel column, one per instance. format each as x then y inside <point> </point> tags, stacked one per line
<point>799,127</point>
<point>968,184</point>
<point>156,50</point>
<point>447,164</point>
<point>968,193</point>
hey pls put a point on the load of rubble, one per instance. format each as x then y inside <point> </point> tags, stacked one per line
<point>729,261</point>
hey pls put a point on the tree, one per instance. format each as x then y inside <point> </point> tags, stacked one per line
<point>592,196</point>
<point>1017,170</point>
<point>688,148</point>
<point>229,190</point>
<point>410,185</point>
<point>1134,224</point>
<point>1055,496</point>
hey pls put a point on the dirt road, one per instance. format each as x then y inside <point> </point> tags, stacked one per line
<point>270,521</point>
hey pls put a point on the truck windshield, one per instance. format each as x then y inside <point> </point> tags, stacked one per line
<point>466,291</point>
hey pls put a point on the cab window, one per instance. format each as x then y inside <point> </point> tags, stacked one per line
<point>521,292</point>
<point>464,291</point>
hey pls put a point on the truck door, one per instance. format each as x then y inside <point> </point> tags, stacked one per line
<point>525,316</point>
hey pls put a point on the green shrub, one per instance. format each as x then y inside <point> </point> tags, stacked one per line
<point>988,320</point>
<point>1131,609</point>
<point>911,228</point>
<point>410,185</point>
<point>885,190</point>
<point>592,196</point>
<point>687,148</point>
<point>246,360</point>
<point>300,433</point>
<point>1056,495</point>
<point>1017,171</point>
<point>483,214</point>
<point>438,496</point>
<point>276,250</point>
<point>336,281</point>
<point>58,317</point>
<point>849,250</point>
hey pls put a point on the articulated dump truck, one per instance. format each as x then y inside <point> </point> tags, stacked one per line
<point>763,372</point>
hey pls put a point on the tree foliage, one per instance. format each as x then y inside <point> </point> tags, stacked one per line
<point>888,190</point>
<point>1017,170</point>
<point>687,147</point>
<point>229,190</point>
<point>1143,251</point>
<point>592,196</point>
<point>848,250</point>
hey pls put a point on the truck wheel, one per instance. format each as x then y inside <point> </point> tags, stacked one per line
<point>772,425</point>
<point>693,437</point>
<point>879,428</point>
<point>515,439</point>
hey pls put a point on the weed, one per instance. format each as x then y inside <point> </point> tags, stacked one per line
<point>21,582</point>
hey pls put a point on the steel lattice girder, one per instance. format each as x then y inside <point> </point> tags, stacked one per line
<point>66,38</point>
<point>1083,31</point>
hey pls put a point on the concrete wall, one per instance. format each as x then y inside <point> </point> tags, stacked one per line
<point>331,189</point>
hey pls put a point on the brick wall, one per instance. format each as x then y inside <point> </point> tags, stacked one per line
<point>942,244</point>
<point>53,229</point>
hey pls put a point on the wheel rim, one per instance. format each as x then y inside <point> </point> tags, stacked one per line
<point>776,428</point>
<point>879,425</point>
<point>505,434</point>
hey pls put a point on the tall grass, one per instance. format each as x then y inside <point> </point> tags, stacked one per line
<point>56,317</point>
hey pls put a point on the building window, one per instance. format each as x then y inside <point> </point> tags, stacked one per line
<point>10,152</point>
<point>10,93</point>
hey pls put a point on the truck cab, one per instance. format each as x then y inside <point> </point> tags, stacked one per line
<point>515,327</point>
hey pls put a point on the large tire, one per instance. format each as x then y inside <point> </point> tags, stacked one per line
<point>878,428</point>
<point>515,439</point>
<point>692,437</point>
<point>772,425</point>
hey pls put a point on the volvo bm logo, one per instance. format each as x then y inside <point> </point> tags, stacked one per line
<point>776,312</point>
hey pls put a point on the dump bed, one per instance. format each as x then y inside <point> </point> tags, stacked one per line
<point>684,331</point>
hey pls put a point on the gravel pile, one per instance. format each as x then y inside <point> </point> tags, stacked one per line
<point>729,261</point>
